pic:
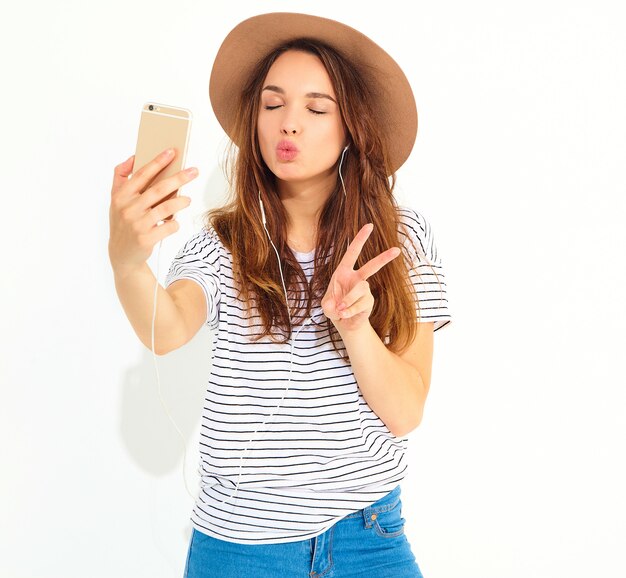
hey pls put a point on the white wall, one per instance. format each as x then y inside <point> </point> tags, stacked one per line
<point>518,467</point>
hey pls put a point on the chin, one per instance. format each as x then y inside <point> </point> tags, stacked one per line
<point>288,172</point>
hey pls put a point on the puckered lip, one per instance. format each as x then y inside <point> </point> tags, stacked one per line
<point>286,145</point>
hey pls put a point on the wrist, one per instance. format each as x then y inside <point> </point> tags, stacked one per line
<point>349,333</point>
<point>122,272</point>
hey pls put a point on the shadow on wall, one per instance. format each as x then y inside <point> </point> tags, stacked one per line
<point>147,432</point>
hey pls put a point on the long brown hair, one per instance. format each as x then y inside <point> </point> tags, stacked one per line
<point>369,200</point>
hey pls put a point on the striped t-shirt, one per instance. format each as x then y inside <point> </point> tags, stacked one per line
<point>323,453</point>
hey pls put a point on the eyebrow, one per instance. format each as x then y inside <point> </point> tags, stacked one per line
<point>279,90</point>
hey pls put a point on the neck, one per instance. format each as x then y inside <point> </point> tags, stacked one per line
<point>303,202</point>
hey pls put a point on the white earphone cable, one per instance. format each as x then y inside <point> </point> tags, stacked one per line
<point>156,367</point>
<point>293,340</point>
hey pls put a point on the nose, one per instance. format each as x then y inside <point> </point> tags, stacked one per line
<point>290,123</point>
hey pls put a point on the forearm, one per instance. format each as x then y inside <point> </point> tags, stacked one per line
<point>392,387</point>
<point>135,290</point>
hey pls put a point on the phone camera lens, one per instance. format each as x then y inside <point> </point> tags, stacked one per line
<point>151,107</point>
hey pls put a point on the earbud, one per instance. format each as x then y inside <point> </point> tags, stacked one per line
<point>343,153</point>
<point>343,185</point>
<point>262,209</point>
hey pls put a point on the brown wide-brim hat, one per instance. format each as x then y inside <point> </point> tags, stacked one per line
<point>251,40</point>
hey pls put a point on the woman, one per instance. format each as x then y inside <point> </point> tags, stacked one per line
<point>323,338</point>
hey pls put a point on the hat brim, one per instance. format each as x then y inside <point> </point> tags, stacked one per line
<point>254,38</point>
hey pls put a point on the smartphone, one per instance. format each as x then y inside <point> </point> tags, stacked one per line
<point>162,126</point>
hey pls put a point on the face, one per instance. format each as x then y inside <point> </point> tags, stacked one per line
<point>300,131</point>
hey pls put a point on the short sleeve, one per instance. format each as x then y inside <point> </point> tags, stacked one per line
<point>198,260</point>
<point>429,285</point>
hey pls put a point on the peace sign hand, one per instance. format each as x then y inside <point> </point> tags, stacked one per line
<point>348,301</point>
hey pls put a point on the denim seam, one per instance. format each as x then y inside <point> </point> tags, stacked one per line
<point>330,554</point>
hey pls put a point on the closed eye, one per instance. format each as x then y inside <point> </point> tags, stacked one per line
<point>267,107</point>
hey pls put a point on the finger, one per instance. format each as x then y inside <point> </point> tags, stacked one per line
<point>358,291</point>
<point>329,306</point>
<point>365,303</point>
<point>144,175</point>
<point>163,212</point>
<point>163,190</point>
<point>121,173</point>
<point>355,248</point>
<point>377,263</point>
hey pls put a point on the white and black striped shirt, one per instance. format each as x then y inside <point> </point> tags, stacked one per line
<point>323,453</point>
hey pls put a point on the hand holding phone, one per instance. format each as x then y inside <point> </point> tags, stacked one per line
<point>142,207</point>
<point>163,126</point>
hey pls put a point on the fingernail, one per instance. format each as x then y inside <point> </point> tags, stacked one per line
<point>191,171</point>
<point>341,306</point>
<point>168,152</point>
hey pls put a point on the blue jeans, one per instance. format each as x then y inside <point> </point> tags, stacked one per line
<point>368,543</point>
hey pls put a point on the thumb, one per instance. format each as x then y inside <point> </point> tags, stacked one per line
<point>127,165</point>
<point>122,171</point>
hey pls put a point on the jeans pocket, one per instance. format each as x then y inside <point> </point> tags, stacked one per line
<point>390,523</point>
